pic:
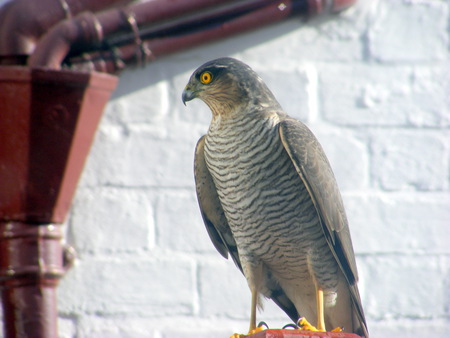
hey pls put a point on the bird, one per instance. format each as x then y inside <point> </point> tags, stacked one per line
<point>269,200</point>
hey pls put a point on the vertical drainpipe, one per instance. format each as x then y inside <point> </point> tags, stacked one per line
<point>48,120</point>
<point>47,123</point>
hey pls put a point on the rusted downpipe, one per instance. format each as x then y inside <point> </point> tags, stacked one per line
<point>271,13</point>
<point>219,24</point>
<point>91,30</point>
<point>23,22</point>
<point>88,30</point>
<point>188,31</point>
<point>48,119</point>
<point>31,264</point>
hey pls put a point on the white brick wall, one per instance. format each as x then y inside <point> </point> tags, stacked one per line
<point>373,84</point>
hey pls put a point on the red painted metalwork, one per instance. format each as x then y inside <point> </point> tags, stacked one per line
<point>31,264</point>
<point>270,333</point>
<point>157,28</point>
<point>45,137</point>
<point>23,22</point>
<point>47,122</point>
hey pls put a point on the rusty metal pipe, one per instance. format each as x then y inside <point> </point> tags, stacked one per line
<point>23,22</point>
<point>200,20</point>
<point>257,18</point>
<point>188,32</point>
<point>31,265</point>
<point>88,30</point>
<point>159,37</point>
<point>48,119</point>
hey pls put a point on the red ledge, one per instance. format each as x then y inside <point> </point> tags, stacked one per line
<point>279,333</point>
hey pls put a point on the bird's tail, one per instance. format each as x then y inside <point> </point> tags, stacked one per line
<point>359,320</point>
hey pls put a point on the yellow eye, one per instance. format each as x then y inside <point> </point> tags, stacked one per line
<point>206,77</point>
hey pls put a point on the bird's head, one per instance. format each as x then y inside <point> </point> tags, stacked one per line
<point>225,84</point>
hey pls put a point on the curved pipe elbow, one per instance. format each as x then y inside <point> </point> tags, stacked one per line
<point>23,22</point>
<point>86,31</point>
<point>22,25</point>
<point>64,37</point>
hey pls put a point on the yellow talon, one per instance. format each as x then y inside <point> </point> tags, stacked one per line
<point>253,331</point>
<point>303,324</point>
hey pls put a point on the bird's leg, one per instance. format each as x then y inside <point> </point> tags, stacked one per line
<point>305,325</point>
<point>253,328</point>
<point>320,310</point>
<point>321,313</point>
<point>253,311</point>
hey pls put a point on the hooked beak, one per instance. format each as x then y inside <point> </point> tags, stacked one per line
<point>188,95</point>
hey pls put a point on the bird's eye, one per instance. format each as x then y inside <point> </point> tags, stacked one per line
<point>206,77</point>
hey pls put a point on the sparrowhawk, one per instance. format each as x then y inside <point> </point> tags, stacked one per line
<point>269,199</point>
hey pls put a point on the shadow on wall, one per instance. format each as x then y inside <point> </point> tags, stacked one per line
<point>134,78</point>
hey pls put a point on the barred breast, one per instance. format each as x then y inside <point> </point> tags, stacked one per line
<point>268,208</point>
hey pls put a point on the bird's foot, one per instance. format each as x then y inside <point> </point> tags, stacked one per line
<point>261,327</point>
<point>303,324</point>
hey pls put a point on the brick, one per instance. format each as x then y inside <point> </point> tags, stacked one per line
<point>115,327</point>
<point>296,42</point>
<point>398,286</point>
<point>404,223</point>
<point>137,156</point>
<point>409,31</point>
<point>347,155</point>
<point>133,285</point>
<point>293,92</point>
<point>142,96</point>
<point>380,95</point>
<point>179,223</point>
<point>429,93</point>
<point>410,160</point>
<point>112,220</point>
<point>67,328</point>
<point>223,290</point>
<point>410,328</point>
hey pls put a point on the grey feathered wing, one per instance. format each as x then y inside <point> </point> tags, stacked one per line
<point>217,225</point>
<point>211,209</point>
<point>314,169</point>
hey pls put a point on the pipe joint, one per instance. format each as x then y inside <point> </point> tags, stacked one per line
<point>84,32</point>
<point>30,253</point>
